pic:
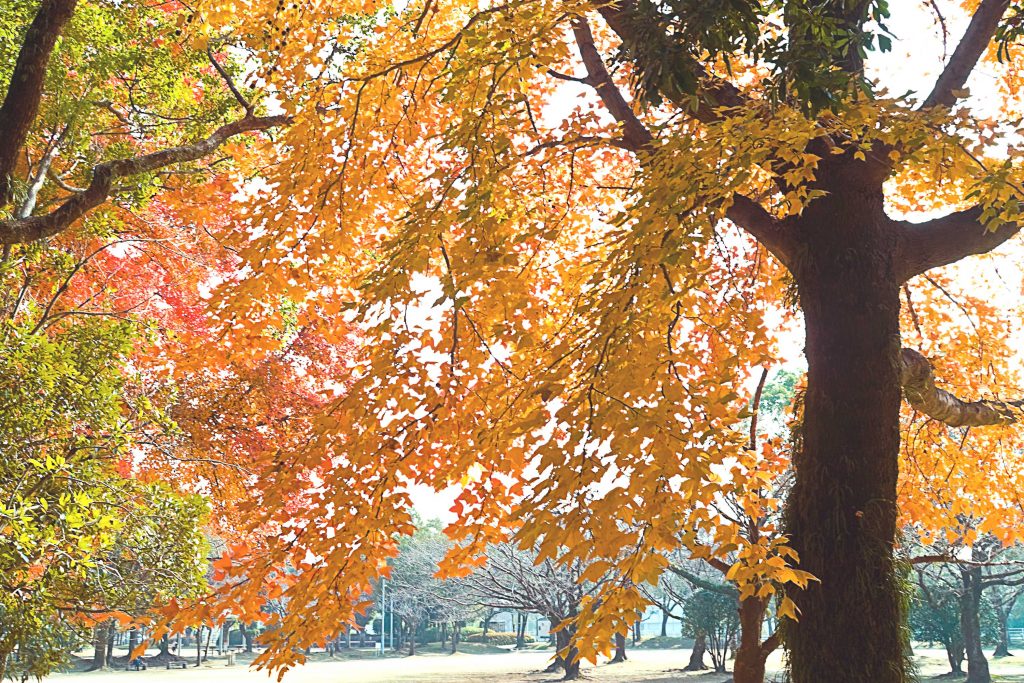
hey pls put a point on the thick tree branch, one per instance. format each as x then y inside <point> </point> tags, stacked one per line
<point>25,90</point>
<point>967,53</point>
<point>634,131</point>
<point>946,240</point>
<point>29,229</point>
<point>634,29</point>
<point>744,212</point>
<point>919,387</point>
<point>764,227</point>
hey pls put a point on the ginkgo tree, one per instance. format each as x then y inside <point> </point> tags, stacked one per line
<point>531,210</point>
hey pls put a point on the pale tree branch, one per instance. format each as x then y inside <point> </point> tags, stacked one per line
<point>948,239</point>
<point>918,380</point>
<point>32,228</point>
<point>25,90</point>
<point>965,57</point>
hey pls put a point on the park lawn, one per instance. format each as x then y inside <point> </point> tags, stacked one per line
<point>482,664</point>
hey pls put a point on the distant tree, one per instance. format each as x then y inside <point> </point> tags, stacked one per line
<point>935,617</point>
<point>518,580</point>
<point>714,614</point>
<point>418,596</point>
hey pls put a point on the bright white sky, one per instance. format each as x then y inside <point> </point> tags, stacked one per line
<point>912,66</point>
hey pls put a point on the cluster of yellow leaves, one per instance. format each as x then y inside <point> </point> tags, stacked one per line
<point>563,331</point>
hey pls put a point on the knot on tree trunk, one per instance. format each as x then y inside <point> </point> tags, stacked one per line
<point>918,379</point>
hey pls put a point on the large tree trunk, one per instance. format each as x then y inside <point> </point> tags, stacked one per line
<point>412,638</point>
<point>970,625</point>
<point>751,654</point>
<point>700,646</point>
<point>841,514</point>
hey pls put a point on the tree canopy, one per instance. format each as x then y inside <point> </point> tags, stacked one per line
<point>540,250</point>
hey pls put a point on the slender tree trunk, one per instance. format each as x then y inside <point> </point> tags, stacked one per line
<point>521,619</point>
<point>1003,615</point>
<point>247,636</point>
<point>955,656</point>
<point>456,629</point>
<point>751,654</point>
<point>5,655</point>
<point>165,646</point>
<point>487,627</point>
<point>970,625</point>
<point>570,661</point>
<point>700,646</point>
<point>664,623</point>
<point>99,642</point>
<point>620,649</point>
<point>199,646</point>
<point>841,513</point>
<point>133,641</point>
<point>636,632</point>
<point>444,634</point>
<point>111,634</point>
<point>412,638</point>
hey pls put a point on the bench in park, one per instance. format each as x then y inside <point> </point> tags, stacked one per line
<point>180,664</point>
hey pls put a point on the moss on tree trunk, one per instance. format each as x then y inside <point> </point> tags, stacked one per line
<point>841,514</point>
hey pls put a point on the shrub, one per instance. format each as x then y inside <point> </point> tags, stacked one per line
<point>495,638</point>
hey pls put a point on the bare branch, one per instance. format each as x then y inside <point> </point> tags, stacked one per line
<point>29,229</point>
<point>919,387</point>
<point>755,408</point>
<point>246,105</point>
<point>967,53</point>
<point>25,90</point>
<point>946,240</point>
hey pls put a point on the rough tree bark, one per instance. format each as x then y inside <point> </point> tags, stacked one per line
<point>100,636</point>
<point>841,513</point>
